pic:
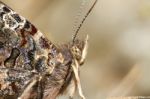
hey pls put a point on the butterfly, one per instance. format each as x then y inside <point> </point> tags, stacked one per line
<point>31,66</point>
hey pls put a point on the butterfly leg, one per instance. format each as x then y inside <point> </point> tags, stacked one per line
<point>76,72</point>
<point>72,88</point>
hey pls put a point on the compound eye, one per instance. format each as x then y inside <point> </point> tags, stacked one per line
<point>76,53</point>
<point>76,50</point>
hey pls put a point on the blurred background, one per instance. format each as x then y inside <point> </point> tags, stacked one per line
<point>119,46</point>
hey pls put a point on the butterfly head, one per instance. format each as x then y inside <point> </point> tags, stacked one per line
<point>79,47</point>
<point>79,50</point>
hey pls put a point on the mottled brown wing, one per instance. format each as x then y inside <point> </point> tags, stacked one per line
<point>30,65</point>
<point>14,82</point>
<point>23,52</point>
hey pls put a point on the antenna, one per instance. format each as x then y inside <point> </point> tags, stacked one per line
<point>80,25</point>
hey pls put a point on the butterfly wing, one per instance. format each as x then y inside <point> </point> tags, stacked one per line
<point>23,50</point>
<point>37,67</point>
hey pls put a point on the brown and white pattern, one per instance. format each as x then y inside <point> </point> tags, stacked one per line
<point>31,66</point>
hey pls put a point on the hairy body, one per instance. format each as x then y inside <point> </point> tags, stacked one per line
<point>31,66</point>
<point>27,56</point>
